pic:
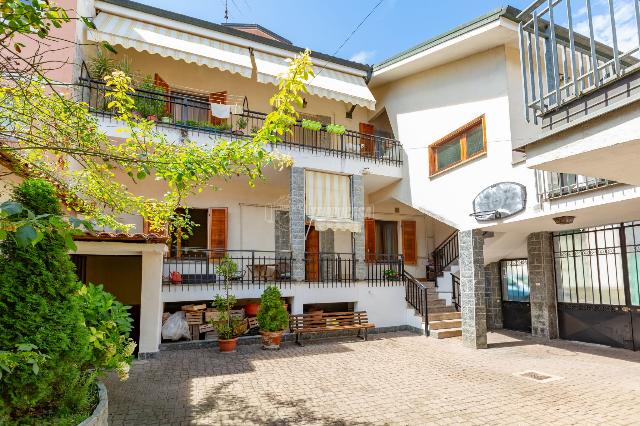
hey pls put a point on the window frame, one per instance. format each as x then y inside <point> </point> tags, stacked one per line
<point>460,134</point>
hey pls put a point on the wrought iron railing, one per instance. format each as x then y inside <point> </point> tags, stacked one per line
<point>191,267</point>
<point>455,291</point>
<point>326,269</point>
<point>192,112</point>
<point>559,64</point>
<point>385,270</point>
<point>416,295</point>
<point>445,253</point>
<point>551,185</point>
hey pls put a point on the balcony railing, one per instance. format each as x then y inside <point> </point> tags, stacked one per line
<point>385,270</point>
<point>189,268</point>
<point>193,112</point>
<point>330,269</point>
<point>552,185</point>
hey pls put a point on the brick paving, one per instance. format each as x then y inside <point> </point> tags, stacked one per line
<point>394,378</point>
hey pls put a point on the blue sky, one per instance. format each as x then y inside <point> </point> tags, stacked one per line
<point>323,25</point>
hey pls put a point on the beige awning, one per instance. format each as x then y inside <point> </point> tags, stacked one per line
<point>328,201</point>
<point>328,83</point>
<point>166,42</point>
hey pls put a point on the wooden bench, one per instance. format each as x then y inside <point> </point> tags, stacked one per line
<point>328,322</point>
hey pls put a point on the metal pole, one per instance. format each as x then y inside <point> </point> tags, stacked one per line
<point>616,58</point>
<point>592,45</point>
<point>525,94</point>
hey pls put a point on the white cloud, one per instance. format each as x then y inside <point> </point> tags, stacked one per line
<point>362,56</point>
<point>626,27</point>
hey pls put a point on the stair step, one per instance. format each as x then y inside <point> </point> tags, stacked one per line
<point>445,334</point>
<point>445,324</point>
<point>436,302</point>
<point>441,309</point>
<point>445,315</point>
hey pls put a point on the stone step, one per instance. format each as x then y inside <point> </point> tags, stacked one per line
<point>441,309</point>
<point>445,315</point>
<point>445,334</point>
<point>445,324</point>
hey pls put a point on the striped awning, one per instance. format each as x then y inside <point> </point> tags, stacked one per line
<point>166,42</point>
<point>328,201</point>
<point>328,83</point>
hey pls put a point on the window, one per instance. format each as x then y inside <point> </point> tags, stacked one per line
<point>386,238</point>
<point>464,144</point>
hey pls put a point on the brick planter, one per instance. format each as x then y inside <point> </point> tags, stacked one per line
<point>101,413</point>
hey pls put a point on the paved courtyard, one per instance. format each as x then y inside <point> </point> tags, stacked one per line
<point>395,378</point>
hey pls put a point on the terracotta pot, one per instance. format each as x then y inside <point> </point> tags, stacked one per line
<point>271,339</point>
<point>251,309</point>
<point>228,345</point>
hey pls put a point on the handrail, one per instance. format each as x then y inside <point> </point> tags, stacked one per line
<point>385,270</point>
<point>416,295</point>
<point>329,269</point>
<point>446,253</point>
<point>189,112</point>
<point>455,291</point>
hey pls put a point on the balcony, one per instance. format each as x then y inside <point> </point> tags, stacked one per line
<point>192,112</point>
<point>552,185</point>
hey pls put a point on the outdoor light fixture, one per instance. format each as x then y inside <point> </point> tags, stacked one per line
<point>563,220</point>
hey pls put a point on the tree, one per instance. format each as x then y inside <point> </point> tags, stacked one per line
<point>55,137</point>
<point>39,310</point>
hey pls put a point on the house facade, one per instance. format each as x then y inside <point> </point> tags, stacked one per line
<point>449,190</point>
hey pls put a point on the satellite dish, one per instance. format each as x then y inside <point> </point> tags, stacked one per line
<point>500,200</point>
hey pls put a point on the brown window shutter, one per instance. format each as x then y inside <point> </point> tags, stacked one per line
<point>145,226</point>
<point>369,240</point>
<point>409,242</point>
<point>217,98</point>
<point>367,142</point>
<point>218,231</point>
<point>158,81</point>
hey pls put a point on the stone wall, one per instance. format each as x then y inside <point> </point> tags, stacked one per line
<point>472,289</point>
<point>100,416</point>
<point>544,314</point>
<point>493,295</point>
<point>357,194</point>
<point>282,231</point>
<point>297,222</point>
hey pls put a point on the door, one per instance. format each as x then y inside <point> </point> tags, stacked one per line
<point>367,139</point>
<point>370,240</point>
<point>312,255</point>
<point>516,308</point>
<point>218,232</point>
<point>598,286</point>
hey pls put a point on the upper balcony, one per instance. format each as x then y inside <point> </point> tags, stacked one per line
<point>192,112</point>
<point>581,84</point>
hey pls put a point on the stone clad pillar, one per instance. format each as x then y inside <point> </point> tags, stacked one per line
<point>357,195</point>
<point>472,289</point>
<point>151,300</point>
<point>544,314</point>
<point>493,295</point>
<point>297,222</point>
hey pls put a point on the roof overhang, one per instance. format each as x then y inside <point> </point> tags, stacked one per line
<point>480,36</point>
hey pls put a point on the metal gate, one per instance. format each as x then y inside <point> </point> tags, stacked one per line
<point>598,284</point>
<point>516,309</point>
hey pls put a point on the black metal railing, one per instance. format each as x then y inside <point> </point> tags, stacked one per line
<point>385,270</point>
<point>191,267</point>
<point>446,253</point>
<point>416,295</point>
<point>330,269</point>
<point>455,291</point>
<point>192,112</point>
<point>552,185</point>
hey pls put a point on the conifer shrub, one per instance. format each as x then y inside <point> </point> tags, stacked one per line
<point>272,316</point>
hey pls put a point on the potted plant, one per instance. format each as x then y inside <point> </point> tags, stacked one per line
<point>390,274</point>
<point>336,129</point>
<point>241,124</point>
<point>311,125</point>
<point>272,318</point>
<point>227,327</point>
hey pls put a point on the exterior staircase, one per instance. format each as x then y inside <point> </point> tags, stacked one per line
<point>443,325</point>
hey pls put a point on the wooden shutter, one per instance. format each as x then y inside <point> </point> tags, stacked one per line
<point>218,231</point>
<point>158,81</point>
<point>370,240</point>
<point>409,242</point>
<point>217,98</point>
<point>367,145</point>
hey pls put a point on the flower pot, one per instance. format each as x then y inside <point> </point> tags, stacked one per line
<point>271,339</point>
<point>251,309</point>
<point>228,345</point>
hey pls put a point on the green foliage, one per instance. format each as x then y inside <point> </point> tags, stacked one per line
<point>241,123</point>
<point>226,327</point>
<point>336,129</point>
<point>311,125</point>
<point>104,64</point>
<point>109,324</point>
<point>390,273</point>
<point>25,355</point>
<point>227,268</point>
<point>39,308</point>
<point>36,17</point>
<point>272,315</point>
<point>150,103</point>
<point>193,123</point>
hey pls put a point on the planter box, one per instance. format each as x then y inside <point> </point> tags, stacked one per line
<point>100,415</point>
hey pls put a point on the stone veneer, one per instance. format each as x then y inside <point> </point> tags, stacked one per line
<point>357,194</point>
<point>493,295</point>
<point>544,314</point>
<point>282,228</point>
<point>472,289</point>
<point>297,222</point>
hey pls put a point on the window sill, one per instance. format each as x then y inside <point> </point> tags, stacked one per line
<point>456,165</point>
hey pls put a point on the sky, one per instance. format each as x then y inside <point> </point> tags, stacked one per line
<point>323,25</point>
<point>394,26</point>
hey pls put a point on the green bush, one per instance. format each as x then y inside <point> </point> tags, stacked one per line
<point>150,104</point>
<point>39,307</point>
<point>272,315</point>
